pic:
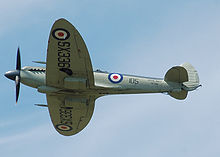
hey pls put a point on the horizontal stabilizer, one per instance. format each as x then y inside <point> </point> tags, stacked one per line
<point>176,74</point>
<point>179,95</point>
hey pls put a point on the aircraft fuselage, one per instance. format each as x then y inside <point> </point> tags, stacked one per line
<point>105,83</point>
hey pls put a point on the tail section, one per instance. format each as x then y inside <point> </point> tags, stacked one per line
<point>183,78</point>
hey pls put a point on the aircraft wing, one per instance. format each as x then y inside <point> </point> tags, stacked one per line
<point>68,62</point>
<point>70,115</point>
<point>68,68</point>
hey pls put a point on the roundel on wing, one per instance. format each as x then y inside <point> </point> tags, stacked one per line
<point>60,34</point>
<point>115,77</point>
<point>63,127</point>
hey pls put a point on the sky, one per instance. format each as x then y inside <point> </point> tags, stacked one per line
<point>140,37</point>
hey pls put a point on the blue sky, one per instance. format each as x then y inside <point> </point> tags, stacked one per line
<point>128,36</point>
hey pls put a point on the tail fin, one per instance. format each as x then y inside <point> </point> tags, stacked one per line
<point>185,76</point>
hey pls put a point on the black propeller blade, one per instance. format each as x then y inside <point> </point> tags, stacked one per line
<point>15,74</point>
<point>17,82</point>
<point>18,78</point>
<point>18,64</point>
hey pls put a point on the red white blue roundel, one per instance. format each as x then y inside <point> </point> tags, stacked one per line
<point>63,127</point>
<point>115,77</point>
<point>60,34</point>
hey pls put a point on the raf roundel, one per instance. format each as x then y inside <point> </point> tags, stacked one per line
<point>60,34</point>
<point>63,127</point>
<point>115,77</point>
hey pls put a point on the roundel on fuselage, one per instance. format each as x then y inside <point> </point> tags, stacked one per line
<point>115,77</point>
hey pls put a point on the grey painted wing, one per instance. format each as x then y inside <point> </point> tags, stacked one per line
<point>67,56</point>
<point>70,115</point>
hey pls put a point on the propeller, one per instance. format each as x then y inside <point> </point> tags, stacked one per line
<point>18,77</point>
<point>15,75</point>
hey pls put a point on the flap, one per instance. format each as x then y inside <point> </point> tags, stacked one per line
<point>70,115</point>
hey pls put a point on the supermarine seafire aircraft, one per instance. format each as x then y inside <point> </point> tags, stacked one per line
<point>71,85</point>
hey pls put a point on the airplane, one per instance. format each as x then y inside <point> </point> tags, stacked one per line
<point>71,86</point>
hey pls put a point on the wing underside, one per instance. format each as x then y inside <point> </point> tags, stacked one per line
<point>68,68</point>
<point>70,115</point>
<point>67,58</point>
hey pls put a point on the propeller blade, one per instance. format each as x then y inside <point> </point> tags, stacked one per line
<point>17,82</point>
<point>18,64</point>
<point>17,78</point>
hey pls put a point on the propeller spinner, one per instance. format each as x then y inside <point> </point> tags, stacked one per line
<point>15,74</point>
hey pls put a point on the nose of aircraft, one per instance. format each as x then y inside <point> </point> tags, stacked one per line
<point>12,74</point>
